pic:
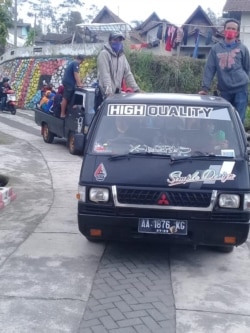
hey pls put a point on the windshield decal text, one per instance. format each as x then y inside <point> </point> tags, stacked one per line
<point>159,110</point>
<point>179,111</point>
<point>126,110</point>
<point>176,177</point>
<point>165,149</point>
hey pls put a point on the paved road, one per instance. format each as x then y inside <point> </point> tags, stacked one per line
<point>53,280</point>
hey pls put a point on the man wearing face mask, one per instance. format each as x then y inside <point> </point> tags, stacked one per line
<point>112,69</point>
<point>230,61</point>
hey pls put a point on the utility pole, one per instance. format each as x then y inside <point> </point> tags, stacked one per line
<point>15,23</point>
<point>34,36</point>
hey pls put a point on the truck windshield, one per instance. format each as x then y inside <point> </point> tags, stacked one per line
<point>207,130</point>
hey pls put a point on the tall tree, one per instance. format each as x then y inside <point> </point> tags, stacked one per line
<point>73,19</point>
<point>58,18</point>
<point>212,16</point>
<point>5,23</point>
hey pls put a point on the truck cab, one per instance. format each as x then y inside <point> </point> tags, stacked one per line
<point>166,167</point>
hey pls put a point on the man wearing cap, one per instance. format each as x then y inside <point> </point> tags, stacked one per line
<point>113,68</point>
<point>71,79</point>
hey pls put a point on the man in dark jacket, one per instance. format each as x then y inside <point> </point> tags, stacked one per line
<point>113,68</point>
<point>230,61</point>
<point>4,86</point>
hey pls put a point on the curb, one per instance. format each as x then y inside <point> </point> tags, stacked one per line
<point>6,196</point>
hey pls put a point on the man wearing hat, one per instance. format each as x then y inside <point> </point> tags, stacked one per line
<point>71,79</point>
<point>113,68</point>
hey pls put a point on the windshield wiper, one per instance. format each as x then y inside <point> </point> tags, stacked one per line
<point>196,156</point>
<point>144,153</point>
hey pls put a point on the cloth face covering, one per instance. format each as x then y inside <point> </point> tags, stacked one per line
<point>230,34</point>
<point>117,46</point>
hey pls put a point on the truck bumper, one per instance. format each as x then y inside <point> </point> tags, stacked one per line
<point>198,232</point>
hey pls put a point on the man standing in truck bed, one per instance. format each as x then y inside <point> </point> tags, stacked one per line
<point>71,79</point>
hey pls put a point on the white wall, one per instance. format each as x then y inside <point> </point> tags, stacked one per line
<point>245,29</point>
<point>51,50</point>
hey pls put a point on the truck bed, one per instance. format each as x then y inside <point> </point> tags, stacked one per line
<point>55,125</point>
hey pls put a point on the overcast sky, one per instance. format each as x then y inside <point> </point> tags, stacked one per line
<point>174,11</point>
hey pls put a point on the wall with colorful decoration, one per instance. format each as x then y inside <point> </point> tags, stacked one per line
<point>27,75</point>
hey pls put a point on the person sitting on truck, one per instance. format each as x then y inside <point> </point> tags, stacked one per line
<point>44,89</point>
<point>126,128</point>
<point>210,138</point>
<point>71,79</point>
<point>47,106</point>
<point>44,99</point>
<point>56,107</point>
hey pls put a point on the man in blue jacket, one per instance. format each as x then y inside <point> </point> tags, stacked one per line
<point>230,61</point>
<point>71,80</point>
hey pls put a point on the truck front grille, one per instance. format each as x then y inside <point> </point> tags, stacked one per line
<point>157,197</point>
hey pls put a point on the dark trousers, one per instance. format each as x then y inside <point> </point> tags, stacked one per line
<point>239,100</point>
<point>98,98</point>
<point>3,102</point>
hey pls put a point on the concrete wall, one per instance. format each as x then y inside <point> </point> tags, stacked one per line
<point>28,67</point>
<point>245,29</point>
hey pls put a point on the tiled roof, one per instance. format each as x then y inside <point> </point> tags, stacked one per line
<point>150,26</point>
<point>152,17</point>
<point>57,38</point>
<point>106,16</point>
<point>237,6</point>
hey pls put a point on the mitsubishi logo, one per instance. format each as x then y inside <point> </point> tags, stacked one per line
<point>163,200</point>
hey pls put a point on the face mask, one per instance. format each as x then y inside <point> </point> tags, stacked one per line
<point>117,46</point>
<point>230,34</point>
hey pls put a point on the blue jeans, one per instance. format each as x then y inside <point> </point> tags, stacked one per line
<point>239,100</point>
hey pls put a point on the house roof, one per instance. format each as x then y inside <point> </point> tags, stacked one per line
<point>57,38</point>
<point>152,17</point>
<point>108,27</point>
<point>135,36</point>
<point>25,25</point>
<point>237,6</point>
<point>199,11</point>
<point>107,16</point>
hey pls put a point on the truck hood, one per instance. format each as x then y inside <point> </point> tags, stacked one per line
<point>160,171</point>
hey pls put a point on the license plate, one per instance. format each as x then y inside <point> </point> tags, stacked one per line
<point>162,226</point>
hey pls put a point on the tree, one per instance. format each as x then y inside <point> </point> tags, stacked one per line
<point>33,33</point>
<point>52,18</point>
<point>73,19</point>
<point>30,38</point>
<point>5,23</point>
<point>214,19</point>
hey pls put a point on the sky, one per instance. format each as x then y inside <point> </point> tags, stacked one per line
<point>174,11</point>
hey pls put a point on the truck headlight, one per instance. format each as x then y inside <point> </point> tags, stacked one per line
<point>229,201</point>
<point>97,194</point>
<point>81,195</point>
